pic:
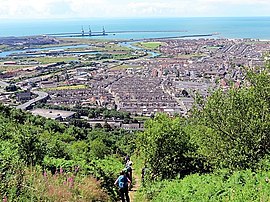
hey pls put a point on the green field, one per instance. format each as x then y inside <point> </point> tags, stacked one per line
<point>13,67</point>
<point>47,60</point>
<point>212,47</point>
<point>149,45</point>
<point>74,87</point>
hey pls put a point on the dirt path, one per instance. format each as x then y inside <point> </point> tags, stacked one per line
<point>135,188</point>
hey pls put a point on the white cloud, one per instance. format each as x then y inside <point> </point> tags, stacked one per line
<point>129,8</point>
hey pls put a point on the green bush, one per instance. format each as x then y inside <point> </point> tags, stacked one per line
<point>240,186</point>
<point>166,146</point>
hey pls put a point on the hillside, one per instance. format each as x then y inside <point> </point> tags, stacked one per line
<point>220,152</point>
<point>43,160</point>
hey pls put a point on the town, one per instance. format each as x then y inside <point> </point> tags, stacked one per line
<point>133,79</point>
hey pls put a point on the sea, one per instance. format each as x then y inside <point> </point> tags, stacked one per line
<point>226,27</point>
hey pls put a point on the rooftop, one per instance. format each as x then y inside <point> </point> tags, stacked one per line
<point>52,114</point>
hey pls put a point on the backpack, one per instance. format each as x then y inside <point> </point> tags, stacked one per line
<point>125,170</point>
<point>122,182</point>
<point>128,169</point>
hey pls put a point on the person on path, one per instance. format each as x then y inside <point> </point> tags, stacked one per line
<point>126,159</point>
<point>122,183</point>
<point>129,170</point>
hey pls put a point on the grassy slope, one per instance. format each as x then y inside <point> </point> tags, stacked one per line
<point>241,186</point>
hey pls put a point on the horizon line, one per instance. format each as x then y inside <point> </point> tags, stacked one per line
<point>132,18</point>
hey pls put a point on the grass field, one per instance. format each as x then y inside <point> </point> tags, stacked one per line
<point>149,45</point>
<point>47,60</point>
<point>74,87</point>
<point>13,67</point>
<point>212,47</point>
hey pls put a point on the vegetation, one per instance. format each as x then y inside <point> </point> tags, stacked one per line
<point>2,46</point>
<point>240,186</point>
<point>165,145</point>
<point>32,146</point>
<point>98,113</point>
<point>47,60</point>
<point>11,88</point>
<point>232,129</point>
<point>68,87</point>
<point>149,45</point>
<point>220,152</point>
<point>120,56</point>
<point>13,67</point>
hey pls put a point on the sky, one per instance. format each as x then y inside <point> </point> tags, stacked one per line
<point>52,9</point>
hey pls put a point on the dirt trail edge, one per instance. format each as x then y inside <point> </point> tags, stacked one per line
<point>135,188</point>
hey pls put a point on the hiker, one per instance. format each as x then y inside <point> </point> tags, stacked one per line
<point>127,158</point>
<point>122,183</point>
<point>128,171</point>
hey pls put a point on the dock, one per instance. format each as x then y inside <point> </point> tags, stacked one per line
<point>105,33</point>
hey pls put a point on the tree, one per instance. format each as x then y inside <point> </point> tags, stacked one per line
<point>107,127</point>
<point>12,88</point>
<point>165,147</point>
<point>11,170</point>
<point>232,128</point>
<point>98,149</point>
<point>98,125</point>
<point>30,148</point>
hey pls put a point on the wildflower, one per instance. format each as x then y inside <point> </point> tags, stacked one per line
<point>61,170</point>
<point>45,174</point>
<point>5,199</point>
<point>71,182</point>
<point>77,169</point>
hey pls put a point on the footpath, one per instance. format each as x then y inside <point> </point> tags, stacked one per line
<point>135,188</point>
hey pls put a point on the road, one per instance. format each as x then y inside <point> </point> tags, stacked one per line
<point>4,84</point>
<point>41,96</point>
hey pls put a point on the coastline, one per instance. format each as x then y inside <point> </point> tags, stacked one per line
<point>229,27</point>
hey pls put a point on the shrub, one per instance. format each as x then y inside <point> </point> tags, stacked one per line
<point>240,186</point>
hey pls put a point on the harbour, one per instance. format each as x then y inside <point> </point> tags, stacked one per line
<point>247,27</point>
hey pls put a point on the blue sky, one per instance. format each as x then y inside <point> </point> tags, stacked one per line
<point>37,9</point>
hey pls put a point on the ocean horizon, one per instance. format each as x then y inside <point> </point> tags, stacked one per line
<point>227,27</point>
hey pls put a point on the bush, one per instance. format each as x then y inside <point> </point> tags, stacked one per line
<point>240,186</point>
<point>63,186</point>
<point>165,146</point>
<point>231,128</point>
